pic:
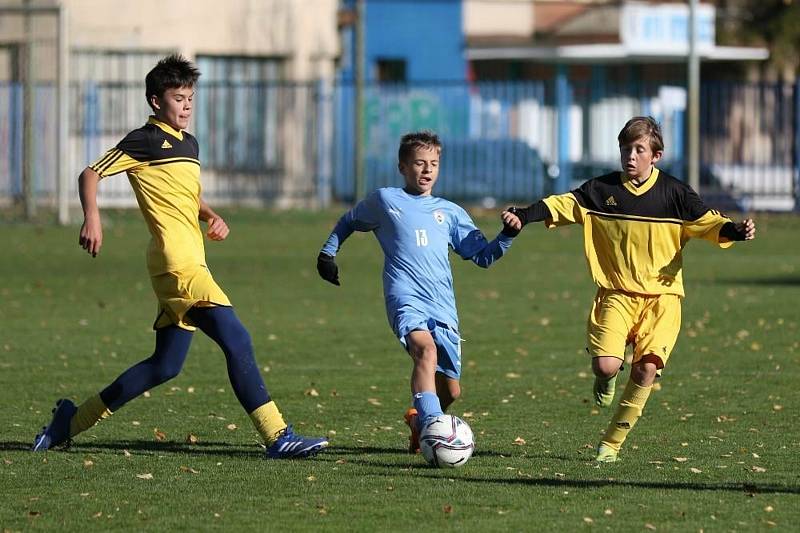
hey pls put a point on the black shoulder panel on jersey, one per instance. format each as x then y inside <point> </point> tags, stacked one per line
<point>691,205</point>
<point>668,198</point>
<point>593,194</point>
<point>151,143</point>
<point>136,144</point>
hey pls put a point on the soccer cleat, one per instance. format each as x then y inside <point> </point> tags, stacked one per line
<point>603,390</point>
<point>56,433</point>
<point>411,419</point>
<point>291,446</point>
<point>606,454</point>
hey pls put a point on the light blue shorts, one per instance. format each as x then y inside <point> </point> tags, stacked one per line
<point>448,346</point>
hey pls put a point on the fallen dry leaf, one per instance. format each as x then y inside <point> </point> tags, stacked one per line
<point>192,439</point>
<point>159,435</point>
<point>758,469</point>
<point>695,471</point>
<point>374,401</point>
<point>447,509</point>
<point>232,427</point>
<point>311,392</point>
<point>189,469</point>
<point>680,459</point>
<point>145,476</point>
<point>126,453</point>
<point>519,441</point>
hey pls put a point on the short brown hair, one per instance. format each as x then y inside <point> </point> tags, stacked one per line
<point>418,139</point>
<point>172,72</point>
<point>639,127</point>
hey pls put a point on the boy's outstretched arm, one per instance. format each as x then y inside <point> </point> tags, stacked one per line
<point>738,231</point>
<point>91,235</point>
<point>217,227</point>
<point>535,212</point>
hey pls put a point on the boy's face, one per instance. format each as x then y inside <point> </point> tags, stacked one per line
<point>637,158</point>
<point>420,170</point>
<point>174,108</point>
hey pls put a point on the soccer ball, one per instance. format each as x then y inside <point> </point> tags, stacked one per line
<point>446,441</point>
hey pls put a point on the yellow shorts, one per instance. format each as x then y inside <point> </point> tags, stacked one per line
<point>177,292</point>
<point>649,323</point>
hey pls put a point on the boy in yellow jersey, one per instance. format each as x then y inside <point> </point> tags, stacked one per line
<point>161,161</point>
<point>635,225</point>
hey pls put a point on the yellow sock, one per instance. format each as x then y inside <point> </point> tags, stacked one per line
<point>89,413</point>
<point>630,409</point>
<point>268,422</point>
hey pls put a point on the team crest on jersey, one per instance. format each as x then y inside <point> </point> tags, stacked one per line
<point>438,216</point>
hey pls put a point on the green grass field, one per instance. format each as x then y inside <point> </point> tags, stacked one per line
<point>716,450</point>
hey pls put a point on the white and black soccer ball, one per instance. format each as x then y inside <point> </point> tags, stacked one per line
<point>446,441</point>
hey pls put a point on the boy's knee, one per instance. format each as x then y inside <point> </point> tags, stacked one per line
<point>454,389</point>
<point>425,354</point>
<point>606,366</point>
<point>643,372</point>
<point>165,372</point>
<point>240,345</point>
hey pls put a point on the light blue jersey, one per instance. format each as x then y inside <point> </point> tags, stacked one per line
<point>415,233</point>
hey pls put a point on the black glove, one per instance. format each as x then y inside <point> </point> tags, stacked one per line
<point>521,213</point>
<point>509,231</point>
<point>327,268</point>
<point>733,231</point>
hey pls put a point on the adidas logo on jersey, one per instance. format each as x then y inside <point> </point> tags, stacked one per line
<point>166,144</point>
<point>611,201</point>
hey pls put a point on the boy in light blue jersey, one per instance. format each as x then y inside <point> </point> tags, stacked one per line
<point>415,231</point>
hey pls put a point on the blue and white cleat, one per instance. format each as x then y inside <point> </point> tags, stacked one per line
<point>56,433</point>
<point>291,446</point>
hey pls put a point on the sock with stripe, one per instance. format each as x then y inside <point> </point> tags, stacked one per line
<point>628,412</point>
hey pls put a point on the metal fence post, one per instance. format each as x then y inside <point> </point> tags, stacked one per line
<point>796,145</point>
<point>563,104</point>
<point>324,143</point>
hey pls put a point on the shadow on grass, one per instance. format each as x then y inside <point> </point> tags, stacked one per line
<point>148,446</point>
<point>749,488</point>
<point>778,281</point>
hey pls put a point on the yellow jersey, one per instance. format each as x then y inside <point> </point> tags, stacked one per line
<point>634,236</point>
<point>164,171</point>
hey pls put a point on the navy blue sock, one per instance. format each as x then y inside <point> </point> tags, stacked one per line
<point>172,345</point>
<point>224,328</point>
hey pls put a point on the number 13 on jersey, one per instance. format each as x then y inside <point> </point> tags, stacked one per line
<point>422,237</point>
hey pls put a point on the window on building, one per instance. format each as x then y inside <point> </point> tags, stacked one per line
<point>238,111</point>
<point>107,93</point>
<point>391,70</point>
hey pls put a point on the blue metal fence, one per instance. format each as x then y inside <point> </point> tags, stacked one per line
<point>270,142</point>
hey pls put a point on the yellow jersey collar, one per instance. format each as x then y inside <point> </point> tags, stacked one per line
<point>644,187</point>
<point>178,134</point>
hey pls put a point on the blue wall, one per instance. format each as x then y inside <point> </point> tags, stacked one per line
<point>427,34</point>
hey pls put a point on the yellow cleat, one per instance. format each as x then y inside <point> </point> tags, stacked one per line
<point>606,454</point>
<point>603,390</point>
